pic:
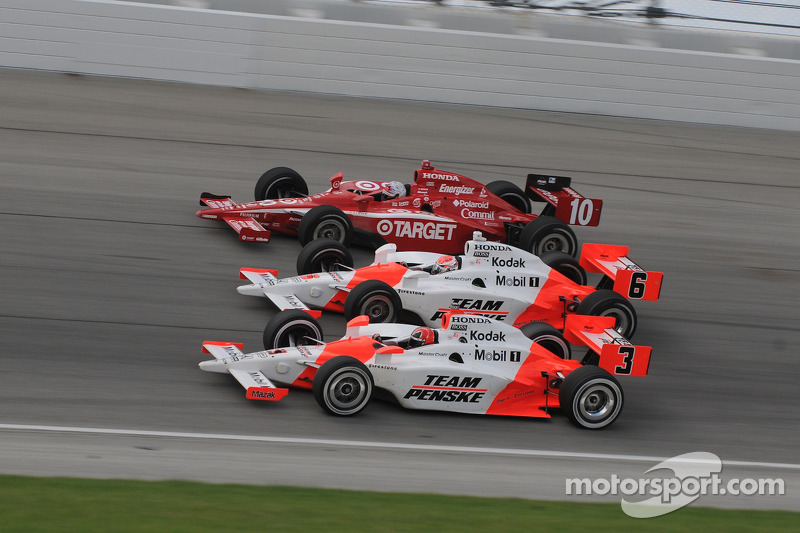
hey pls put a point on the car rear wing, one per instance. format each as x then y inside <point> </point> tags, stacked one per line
<point>564,202</point>
<point>629,279</point>
<point>616,354</point>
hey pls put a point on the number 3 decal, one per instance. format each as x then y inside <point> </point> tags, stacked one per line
<point>627,360</point>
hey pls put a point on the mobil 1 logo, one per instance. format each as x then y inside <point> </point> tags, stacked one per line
<point>516,281</point>
<point>512,356</point>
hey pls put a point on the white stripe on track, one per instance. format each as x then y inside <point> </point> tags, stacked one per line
<point>376,445</point>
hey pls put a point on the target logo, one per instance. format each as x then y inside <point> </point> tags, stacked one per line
<point>415,230</point>
<point>368,186</point>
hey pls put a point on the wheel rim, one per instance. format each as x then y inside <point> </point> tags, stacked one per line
<point>292,335</point>
<point>596,402</point>
<point>555,345</point>
<point>327,262</point>
<point>347,389</point>
<point>572,273</point>
<point>554,243</point>
<point>331,229</point>
<point>281,188</point>
<point>378,308</point>
<point>622,320</point>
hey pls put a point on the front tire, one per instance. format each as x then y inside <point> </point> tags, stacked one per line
<point>280,182</point>
<point>374,298</point>
<point>608,303</point>
<point>591,397</point>
<point>325,222</point>
<point>293,327</point>
<point>323,255</point>
<point>548,337</point>
<point>343,386</point>
<point>548,234</point>
<point>511,194</point>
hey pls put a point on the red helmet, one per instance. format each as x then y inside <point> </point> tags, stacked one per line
<point>422,337</point>
<point>445,263</point>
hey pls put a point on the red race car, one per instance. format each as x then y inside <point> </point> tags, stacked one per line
<point>437,212</point>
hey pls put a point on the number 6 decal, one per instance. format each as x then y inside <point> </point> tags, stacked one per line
<point>638,285</point>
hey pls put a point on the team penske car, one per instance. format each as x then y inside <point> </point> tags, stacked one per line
<point>490,279</point>
<point>470,364</point>
<point>437,211</point>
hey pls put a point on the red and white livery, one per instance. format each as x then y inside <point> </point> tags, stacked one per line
<point>489,279</point>
<point>470,364</point>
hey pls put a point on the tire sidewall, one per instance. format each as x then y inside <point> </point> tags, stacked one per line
<point>318,216</point>
<point>601,302</point>
<point>332,373</point>
<point>582,383</point>
<point>319,251</point>
<point>546,234</point>
<point>370,290</point>
<point>287,324</point>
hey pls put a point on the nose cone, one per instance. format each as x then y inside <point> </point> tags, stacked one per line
<point>250,290</point>
<point>214,365</point>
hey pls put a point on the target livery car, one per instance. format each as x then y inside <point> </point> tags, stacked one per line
<point>437,211</point>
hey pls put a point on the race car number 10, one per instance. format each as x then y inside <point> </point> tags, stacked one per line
<point>581,212</point>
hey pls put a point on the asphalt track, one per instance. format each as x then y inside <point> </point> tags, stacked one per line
<point>110,283</point>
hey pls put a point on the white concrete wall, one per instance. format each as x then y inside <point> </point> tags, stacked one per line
<point>305,54</point>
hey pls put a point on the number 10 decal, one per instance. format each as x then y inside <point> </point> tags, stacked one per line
<point>582,211</point>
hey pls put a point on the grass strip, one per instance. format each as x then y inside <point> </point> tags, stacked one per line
<point>29,504</point>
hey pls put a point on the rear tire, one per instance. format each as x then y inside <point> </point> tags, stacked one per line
<point>325,222</point>
<point>293,327</point>
<point>548,337</point>
<point>343,386</point>
<point>511,194</point>
<point>566,265</point>
<point>323,255</point>
<point>280,182</point>
<point>374,298</point>
<point>608,303</point>
<point>548,234</point>
<point>591,397</point>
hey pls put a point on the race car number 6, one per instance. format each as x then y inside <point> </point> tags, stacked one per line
<point>582,210</point>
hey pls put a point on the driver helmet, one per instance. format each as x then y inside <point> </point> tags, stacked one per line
<point>422,337</point>
<point>445,263</point>
<point>393,189</point>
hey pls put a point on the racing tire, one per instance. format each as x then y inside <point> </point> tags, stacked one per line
<point>548,234</point>
<point>323,255</point>
<point>280,182</point>
<point>591,397</point>
<point>325,222</point>
<point>374,298</point>
<point>343,386</point>
<point>293,327</point>
<point>608,303</point>
<point>565,265</point>
<point>549,338</point>
<point>511,194</point>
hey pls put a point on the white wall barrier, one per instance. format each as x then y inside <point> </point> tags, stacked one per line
<point>305,54</point>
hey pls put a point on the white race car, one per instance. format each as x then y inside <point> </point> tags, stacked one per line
<point>471,364</point>
<point>491,279</point>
